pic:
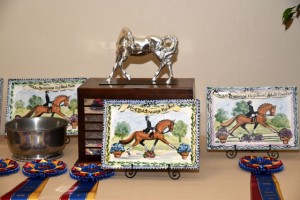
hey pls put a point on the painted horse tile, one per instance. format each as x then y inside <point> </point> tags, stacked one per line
<point>151,134</point>
<point>254,118</point>
<point>44,98</point>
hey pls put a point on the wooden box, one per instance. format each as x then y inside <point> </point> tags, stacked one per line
<point>90,115</point>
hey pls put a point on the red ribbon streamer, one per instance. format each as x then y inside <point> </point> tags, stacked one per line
<point>9,194</point>
<point>254,190</point>
<point>67,194</point>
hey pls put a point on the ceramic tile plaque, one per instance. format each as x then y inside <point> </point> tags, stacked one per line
<point>44,98</point>
<point>1,96</point>
<point>151,134</point>
<point>252,118</point>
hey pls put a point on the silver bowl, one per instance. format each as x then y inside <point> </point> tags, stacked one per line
<point>36,138</point>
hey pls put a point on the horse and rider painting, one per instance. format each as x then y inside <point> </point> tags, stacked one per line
<point>43,98</point>
<point>251,118</point>
<point>150,133</point>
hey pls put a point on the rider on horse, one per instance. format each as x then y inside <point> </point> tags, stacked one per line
<point>47,100</point>
<point>149,127</point>
<point>251,114</point>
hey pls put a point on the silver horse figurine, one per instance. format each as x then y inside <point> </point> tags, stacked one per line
<point>128,45</point>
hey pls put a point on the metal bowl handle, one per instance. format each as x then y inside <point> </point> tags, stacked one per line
<point>67,140</point>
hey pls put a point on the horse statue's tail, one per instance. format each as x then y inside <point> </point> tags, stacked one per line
<point>30,112</point>
<point>174,44</point>
<point>227,123</point>
<point>128,140</point>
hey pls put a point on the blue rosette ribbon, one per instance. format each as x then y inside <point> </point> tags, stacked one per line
<point>38,172</point>
<point>90,172</point>
<point>88,176</point>
<point>42,169</point>
<point>8,167</point>
<point>260,165</point>
<point>264,185</point>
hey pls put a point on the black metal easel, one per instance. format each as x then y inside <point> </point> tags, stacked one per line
<point>232,153</point>
<point>173,173</point>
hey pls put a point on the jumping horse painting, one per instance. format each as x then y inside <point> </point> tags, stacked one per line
<point>61,100</point>
<point>261,118</point>
<point>128,45</point>
<point>162,127</point>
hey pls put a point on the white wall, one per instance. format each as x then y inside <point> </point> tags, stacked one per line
<point>222,43</point>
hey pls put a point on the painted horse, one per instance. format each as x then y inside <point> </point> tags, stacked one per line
<point>162,127</point>
<point>38,110</point>
<point>128,45</point>
<point>242,120</point>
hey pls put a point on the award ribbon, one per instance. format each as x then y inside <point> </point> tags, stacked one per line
<point>8,167</point>
<point>88,177</point>
<point>38,173</point>
<point>264,185</point>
